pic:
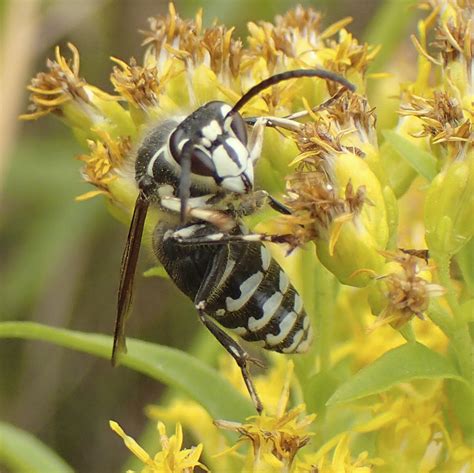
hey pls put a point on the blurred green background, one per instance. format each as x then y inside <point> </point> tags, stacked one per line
<point>59,260</point>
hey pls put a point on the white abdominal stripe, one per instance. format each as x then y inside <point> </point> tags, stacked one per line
<point>260,304</point>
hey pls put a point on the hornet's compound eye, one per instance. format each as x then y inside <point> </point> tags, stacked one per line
<point>201,160</point>
<point>239,127</point>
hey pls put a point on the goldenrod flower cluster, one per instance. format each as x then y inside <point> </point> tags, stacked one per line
<point>382,224</point>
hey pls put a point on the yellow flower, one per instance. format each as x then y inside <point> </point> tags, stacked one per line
<point>336,197</point>
<point>171,459</point>
<point>413,436</point>
<point>276,438</point>
<point>84,108</point>
<point>405,292</point>
<point>199,424</point>
<point>341,460</point>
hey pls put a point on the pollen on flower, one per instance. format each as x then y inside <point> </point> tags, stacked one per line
<point>442,117</point>
<point>316,204</point>
<point>294,39</point>
<point>171,30</point>
<point>139,85</point>
<point>101,164</point>
<point>407,293</point>
<point>444,111</point>
<point>170,36</point>
<point>225,53</point>
<point>50,90</point>
<point>453,34</point>
<point>275,438</point>
<point>313,193</point>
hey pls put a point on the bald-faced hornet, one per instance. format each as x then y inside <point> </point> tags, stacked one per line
<point>199,172</point>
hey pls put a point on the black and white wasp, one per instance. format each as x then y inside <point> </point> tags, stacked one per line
<point>199,172</point>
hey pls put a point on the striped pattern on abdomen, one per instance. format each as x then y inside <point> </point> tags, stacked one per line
<point>255,299</point>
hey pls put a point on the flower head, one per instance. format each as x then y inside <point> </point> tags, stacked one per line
<point>276,438</point>
<point>171,459</point>
<point>406,290</point>
<point>336,197</point>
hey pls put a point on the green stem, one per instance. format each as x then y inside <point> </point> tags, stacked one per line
<point>325,295</point>
<point>407,333</point>
<point>443,262</point>
<point>317,286</point>
<point>441,318</point>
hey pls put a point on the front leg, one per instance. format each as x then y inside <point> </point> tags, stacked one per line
<point>183,237</point>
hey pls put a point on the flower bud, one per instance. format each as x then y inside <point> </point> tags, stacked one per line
<point>402,291</point>
<point>449,207</point>
<point>356,237</point>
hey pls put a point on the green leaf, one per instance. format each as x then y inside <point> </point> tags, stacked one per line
<point>400,365</point>
<point>168,365</point>
<point>423,162</point>
<point>318,389</point>
<point>22,452</point>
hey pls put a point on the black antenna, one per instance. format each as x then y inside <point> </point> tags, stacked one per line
<point>185,178</point>
<point>321,73</point>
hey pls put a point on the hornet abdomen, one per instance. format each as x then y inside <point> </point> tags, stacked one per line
<point>240,285</point>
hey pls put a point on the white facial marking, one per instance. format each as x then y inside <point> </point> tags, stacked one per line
<point>266,258</point>
<point>285,328</point>
<point>269,308</point>
<point>225,166</point>
<point>211,131</point>
<point>298,304</point>
<point>234,184</point>
<point>247,288</point>
<point>225,109</point>
<point>284,283</point>
<point>239,148</point>
<point>297,337</point>
<point>206,143</point>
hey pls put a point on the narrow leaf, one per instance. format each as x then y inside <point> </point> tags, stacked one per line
<point>423,162</point>
<point>22,452</point>
<point>168,365</point>
<point>400,365</point>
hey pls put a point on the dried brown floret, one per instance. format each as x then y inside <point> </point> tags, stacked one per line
<point>139,85</point>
